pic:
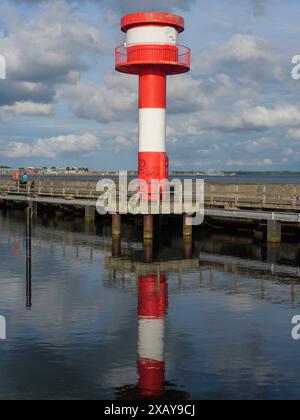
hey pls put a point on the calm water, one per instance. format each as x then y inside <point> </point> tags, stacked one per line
<point>222,330</point>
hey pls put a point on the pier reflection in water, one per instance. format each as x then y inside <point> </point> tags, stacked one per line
<point>179,327</point>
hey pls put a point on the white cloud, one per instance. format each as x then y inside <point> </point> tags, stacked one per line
<point>186,94</point>
<point>246,55</point>
<point>259,145</point>
<point>53,146</point>
<point>268,162</point>
<point>262,117</point>
<point>237,163</point>
<point>115,100</point>
<point>294,133</point>
<point>122,143</point>
<point>29,108</point>
<point>45,50</point>
<point>125,6</point>
<point>288,152</point>
<point>247,163</point>
<point>255,118</point>
<point>239,48</point>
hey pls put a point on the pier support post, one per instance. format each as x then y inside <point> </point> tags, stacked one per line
<point>148,251</point>
<point>259,233</point>
<point>34,207</point>
<point>148,227</point>
<point>187,229</point>
<point>116,246</point>
<point>116,224</point>
<point>273,232</point>
<point>28,256</point>
<point>187,238</point>
<point>116,235</point>
<point>187,247</point>
<point>89,214</point>
<point>148,238</point>
<point>28,232</point>
<point>273,253</point>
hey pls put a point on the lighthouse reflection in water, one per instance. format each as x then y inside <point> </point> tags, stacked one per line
<point>152,312</point>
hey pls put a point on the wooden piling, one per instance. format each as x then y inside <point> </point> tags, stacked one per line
<point>274,231</point>
<point>187,247</point>
<point>89,214</point>
<point>34,207</point>
<point>148,251</point>
<point>148,227</point>
<point>116,246</point>
<point>116,224</point>
<point>187,229</point>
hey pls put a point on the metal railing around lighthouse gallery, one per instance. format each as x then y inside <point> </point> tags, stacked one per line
<point>146,54</point>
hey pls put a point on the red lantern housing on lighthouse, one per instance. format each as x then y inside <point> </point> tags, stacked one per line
<point>152,52</point>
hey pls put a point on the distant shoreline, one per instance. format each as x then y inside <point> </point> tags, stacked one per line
<point>8,172</point>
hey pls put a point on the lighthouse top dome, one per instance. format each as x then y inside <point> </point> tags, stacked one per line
<point>152,18</point>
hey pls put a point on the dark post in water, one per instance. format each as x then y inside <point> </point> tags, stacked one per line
<point>28,257</point>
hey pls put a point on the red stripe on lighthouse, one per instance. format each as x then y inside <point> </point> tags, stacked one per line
<point>153,90</point>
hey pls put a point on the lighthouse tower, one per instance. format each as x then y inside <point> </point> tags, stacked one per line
<point>152,52</point>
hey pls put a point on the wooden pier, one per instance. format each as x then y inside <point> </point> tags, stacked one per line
<point>271,205</point>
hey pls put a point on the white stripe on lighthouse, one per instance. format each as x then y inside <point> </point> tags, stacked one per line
<point>151,339</point>
<point>152,35</point>
<point>152,130</point>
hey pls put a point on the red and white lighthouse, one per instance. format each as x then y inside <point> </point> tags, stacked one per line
<point>152,52</point>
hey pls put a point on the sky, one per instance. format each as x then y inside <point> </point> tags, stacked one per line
<point>63,103</point>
